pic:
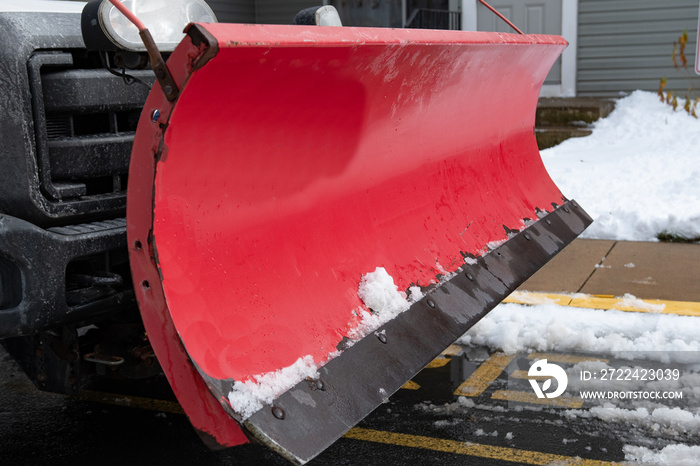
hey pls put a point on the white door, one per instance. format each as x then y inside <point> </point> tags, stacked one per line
<point>533,17</point>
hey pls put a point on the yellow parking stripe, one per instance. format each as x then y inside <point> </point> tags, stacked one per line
<point>565,358</point>
<point>484,375</point>
<point>410,385</point>
<point>526,297</point>
<point>524,375</point>
<point>452,350</point>
<point>132,402</point>
<point>681,308</point>
<point>435,363</point>
<point>529,397</point>
<point>607,302</point>
<point>469,449</point>
<point>438,362</point>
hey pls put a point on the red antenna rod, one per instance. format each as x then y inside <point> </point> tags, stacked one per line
<point>499,15</point>
<point>163,75</point>
<point>129,15</point>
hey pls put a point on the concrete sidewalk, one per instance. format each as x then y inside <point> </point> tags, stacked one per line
<point>647,270</point>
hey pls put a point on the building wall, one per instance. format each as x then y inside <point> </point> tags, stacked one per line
<point>625,45</point>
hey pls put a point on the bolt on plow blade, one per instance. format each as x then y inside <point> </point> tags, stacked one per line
<point>322,211</point>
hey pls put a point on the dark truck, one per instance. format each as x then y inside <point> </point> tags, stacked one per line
<point>67,307</point>
<point>68,313</point>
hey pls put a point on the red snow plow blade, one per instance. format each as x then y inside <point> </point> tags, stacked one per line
<point>297,160</point>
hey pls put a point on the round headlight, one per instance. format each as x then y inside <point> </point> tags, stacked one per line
<point>165,19</point>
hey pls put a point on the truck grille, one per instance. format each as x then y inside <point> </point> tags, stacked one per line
<point>85,119</point>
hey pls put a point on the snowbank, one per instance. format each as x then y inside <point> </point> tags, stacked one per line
<point>637,174</point>
<point>677,455</point>
<point>548,327</point>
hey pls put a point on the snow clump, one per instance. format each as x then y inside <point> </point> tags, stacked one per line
<point>246,398</point>
<point>380,294</point>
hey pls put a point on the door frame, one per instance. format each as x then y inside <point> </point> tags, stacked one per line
<point>569,30</point>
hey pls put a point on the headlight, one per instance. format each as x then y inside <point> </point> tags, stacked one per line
<point>104,27</point>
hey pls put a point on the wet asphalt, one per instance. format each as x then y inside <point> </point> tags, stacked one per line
<point>38,428</point>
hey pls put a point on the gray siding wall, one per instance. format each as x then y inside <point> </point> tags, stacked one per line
<point>625,45</point>
<point>233,11</point>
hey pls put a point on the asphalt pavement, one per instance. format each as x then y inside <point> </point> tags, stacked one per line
<point>469,406</point>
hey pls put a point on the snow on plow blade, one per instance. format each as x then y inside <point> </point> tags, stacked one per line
<point>301,170</point>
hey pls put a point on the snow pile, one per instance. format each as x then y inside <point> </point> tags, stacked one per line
<point>246,398</point>
<point>651,336</point>
<point>379,293</point>
<point>637,174</point>
<point>671,421</point>
<point>677,455</point>
<point>547,327</point>
<point>632,301</point>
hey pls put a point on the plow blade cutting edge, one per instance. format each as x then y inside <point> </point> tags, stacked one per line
<point>322,211</point>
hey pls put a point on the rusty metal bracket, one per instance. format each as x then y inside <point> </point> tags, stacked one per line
<point>165,79</point>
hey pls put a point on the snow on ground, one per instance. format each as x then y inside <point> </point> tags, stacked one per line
<point>677,455</point>
<point>517,328</point>
<point>637,174</point>
<point>640,339</point>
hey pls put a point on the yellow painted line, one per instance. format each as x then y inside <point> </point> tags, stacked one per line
<point>470,449</point>
<point>565,358</point>
<point>438,362</point>
<point>452,350</point>
<point>526,297</point>
<point>607,302</point>
<point>681,308</point>
<point>132,402</point>
<point>572,402</point>
<point>410,385</point>
<point>484,375</point>
<point>523,375</point>
<point>435,363</point>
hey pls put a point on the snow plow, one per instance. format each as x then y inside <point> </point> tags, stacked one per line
<point>294,163</point>
<point>315,213</point>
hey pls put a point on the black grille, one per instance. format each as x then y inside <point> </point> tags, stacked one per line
<point>85,119</point>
